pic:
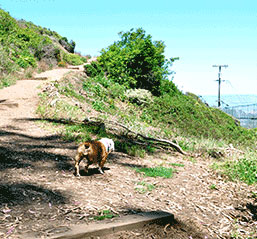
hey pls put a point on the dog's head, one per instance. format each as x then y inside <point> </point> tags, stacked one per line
<point>84,148</point>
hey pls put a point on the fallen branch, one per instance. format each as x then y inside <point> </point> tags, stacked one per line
<point>164,142</point>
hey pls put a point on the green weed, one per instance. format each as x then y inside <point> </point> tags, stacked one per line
<point>243,169</point>
<point>70,92</point>
<point>105,214</point>
<point>213,187</point>
<point>143,187</point>
<point>156,172</point>
<point>176,164</point>
<point>7,81</point>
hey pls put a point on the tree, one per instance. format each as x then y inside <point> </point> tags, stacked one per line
<point>136,61</point>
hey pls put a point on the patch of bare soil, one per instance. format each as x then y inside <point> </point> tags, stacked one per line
<point>40,196</point>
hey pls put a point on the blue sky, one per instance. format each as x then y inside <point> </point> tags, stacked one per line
<point>201,32</point>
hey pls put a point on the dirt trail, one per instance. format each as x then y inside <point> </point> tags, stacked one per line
<point>40,196</point>
<point>20,100</point>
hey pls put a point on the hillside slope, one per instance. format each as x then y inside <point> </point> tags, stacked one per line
<point>23,45</point>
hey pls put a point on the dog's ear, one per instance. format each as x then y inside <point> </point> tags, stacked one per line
<point>84,148</point>
<point>87,148</point>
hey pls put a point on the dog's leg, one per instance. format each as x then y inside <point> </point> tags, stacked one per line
<point>101,164</point>
<point>100,170</point>
<point>78,158</point>
<point>86,167</point>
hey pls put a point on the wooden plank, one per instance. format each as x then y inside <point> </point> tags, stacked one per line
<point>123,223</point>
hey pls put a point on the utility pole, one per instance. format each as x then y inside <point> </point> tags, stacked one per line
<point>219,80</point>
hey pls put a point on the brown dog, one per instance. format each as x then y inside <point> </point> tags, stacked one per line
<point>94,152</point>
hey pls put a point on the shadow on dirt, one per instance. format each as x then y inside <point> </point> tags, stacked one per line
<point>168,227</point>
<point>21,151</point>
<point>13,194</point>
<point>10,158</point>
<point>253,210</point>
<point>92,171</point>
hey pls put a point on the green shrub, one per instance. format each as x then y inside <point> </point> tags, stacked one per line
<point>6,81</point>
<point>139,96</point>
<point>117,91</point>
<point>244,169</point>
<point>72,59</point>
<point>62,64</point>
<point>93,70</point>
<point>134,61</point>
<point>25,43</point>
<point>26,61</point>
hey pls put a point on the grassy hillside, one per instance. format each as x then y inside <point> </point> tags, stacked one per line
<point>184,119</point>
<point>127,88</point>
<point>23,45</point>
<point>122,110</point>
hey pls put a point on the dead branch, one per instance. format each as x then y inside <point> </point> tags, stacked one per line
<point>157,142</point>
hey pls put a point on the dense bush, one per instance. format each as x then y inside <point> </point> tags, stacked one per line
<point>94,69</point>
<point>135,61</point>
<point>73,59</point>
<point>69,46</point>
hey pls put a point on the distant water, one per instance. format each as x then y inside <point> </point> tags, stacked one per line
<point>230,100</point>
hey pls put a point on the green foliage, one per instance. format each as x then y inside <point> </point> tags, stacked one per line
<point>139,96</point>
<point>62,64</point>
<point>244,169</point>
<point>117,91</point>
<point>156,172</point>
<point>73,59</point>
<point>193,118</point>
<point>176,164</point>
<point>94,69</point>
<point>105,214</point>
<point>6,81</point>
<point>77,133</point>
<point>69,91</point>
<point>213,187</point>
<point>69,46</point>
<point>22,41</point>
<point>133,149</point>
<point>26,60</point>
<point>134,61</point>
<point>143,187</point>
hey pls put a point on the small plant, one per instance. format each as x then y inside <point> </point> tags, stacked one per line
<point>136,151</point>
<point>157,172</point>
<point>244,169</point>
<point>62,64</point>
<point>177,164</point>
<point>213,187</point>
<point>105,214</point>
<point>143,187</point>
<point>70,92</point>
<point>7,81</point>
<point>98,105</point>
